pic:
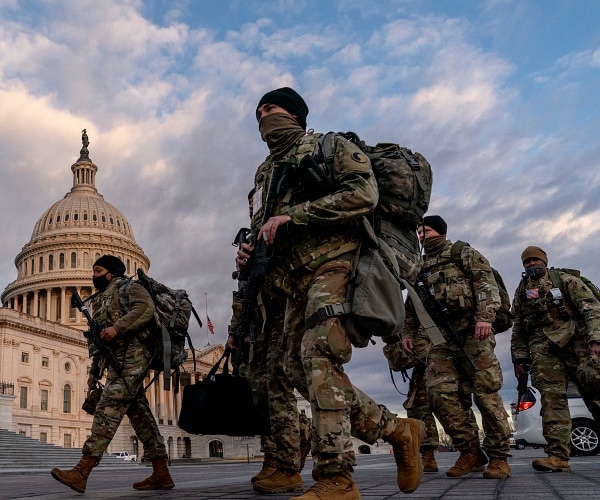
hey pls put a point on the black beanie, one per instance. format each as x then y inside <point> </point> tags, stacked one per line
<point>112,264</point>
<point>289,100</point>
<point>436,223</point>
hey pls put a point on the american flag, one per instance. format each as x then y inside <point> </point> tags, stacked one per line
<point>211,328</point>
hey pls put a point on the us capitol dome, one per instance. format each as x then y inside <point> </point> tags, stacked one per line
<point>65,242</point>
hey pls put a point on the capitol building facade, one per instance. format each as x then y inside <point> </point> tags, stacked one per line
<point>44,361</point>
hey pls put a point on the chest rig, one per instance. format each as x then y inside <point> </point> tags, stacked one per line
<point>447,283</point>
<point>542,301</point>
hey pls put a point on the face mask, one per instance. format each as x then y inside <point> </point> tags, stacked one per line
<point>279,131</point>
<point>535,272</point>
<point>100,282</point>
<point>434,245</point>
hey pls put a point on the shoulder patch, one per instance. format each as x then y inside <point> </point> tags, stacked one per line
<point>359,157</point>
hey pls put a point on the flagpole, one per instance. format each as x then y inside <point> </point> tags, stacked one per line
<point>206,311</point>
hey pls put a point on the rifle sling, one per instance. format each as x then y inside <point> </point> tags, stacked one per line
<point>431,329</point>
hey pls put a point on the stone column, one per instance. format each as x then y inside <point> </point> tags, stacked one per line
<point>36,298</point>
<point>63,306</point>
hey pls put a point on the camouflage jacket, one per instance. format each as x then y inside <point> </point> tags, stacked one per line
<point>468,298</point>
<point>322,228</point>
<point>539,308</point>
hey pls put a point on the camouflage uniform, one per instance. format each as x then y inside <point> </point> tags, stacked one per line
<point>553,336</point>
<point>273,392</point>
<point>417,403</point>
<point>134,348</point>
<point>451,389</point>
<point>318,249</point>
<point>405,246</point>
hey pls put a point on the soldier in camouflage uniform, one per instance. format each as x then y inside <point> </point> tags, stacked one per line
<point>405,246</point>
<point>417,404</point>
<point>317,236</point>
<point>128,336</point>
<point>557,332</point>
<point>286,447</point>
<point>471,301</point>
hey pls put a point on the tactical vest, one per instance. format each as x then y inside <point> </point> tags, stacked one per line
<point>543,303</point>
<point>300,246</point>
<point>450,284</point>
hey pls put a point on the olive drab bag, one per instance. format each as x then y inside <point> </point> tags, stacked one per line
<point>374,302</point>
<point>171,323</point>
<point>504,318</point>
<point>404,178</point>
<point>553,272</point>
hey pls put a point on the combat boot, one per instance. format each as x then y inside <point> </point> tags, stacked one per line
<point>279,482</point>
<point>551,463</point>
<point>338,486</point>
<point>498,468</point>
<point>268,467</point>
<point>76,478</point>
<point>472,460</point>
<point>159,480</point>
<point>429,462</point>
<point>406,442</point>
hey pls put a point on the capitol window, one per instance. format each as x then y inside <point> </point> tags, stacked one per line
<point>67,399</point>
<point>44,400</point>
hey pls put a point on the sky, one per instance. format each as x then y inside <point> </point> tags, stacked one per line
<point>501,96</point>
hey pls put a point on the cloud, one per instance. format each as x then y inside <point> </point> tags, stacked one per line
<point>168,96</point>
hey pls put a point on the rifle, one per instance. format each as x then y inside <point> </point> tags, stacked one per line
<point>94,335</point>
<point>522,386</point>
<point>253,274</point>
<point>439,314</point>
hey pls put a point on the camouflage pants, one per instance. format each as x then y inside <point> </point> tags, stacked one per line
<point>418,406</point>
<point>116,402</point>
<point>314,361</point>
<point>550,369</point>
<point>452,393</point>
<point>273,393</point>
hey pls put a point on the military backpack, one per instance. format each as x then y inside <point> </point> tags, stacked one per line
<point>504,318</point>
<point>557,282</point>
<point>404,179</point>
<point>170,326</point>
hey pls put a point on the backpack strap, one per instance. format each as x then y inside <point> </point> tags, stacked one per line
<point>456,254</point>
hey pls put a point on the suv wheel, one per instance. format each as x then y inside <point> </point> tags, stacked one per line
<point>585,438</point>
<point>520,445</point>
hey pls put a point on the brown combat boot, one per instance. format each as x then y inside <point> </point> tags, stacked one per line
<point>338,486</point>
<point>159,480</point>
<point>279,481</point>
<point>76,478</point>
<point>498,468</point>
<point>406,442</point>
<point>472,460</point>
<point>268,467</point>
<point>551,463</point>
<point>429,462</point>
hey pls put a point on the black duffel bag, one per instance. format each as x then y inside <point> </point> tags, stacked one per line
<point>221,404</point>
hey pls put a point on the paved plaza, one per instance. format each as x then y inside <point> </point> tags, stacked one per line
<point>375,475</point>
